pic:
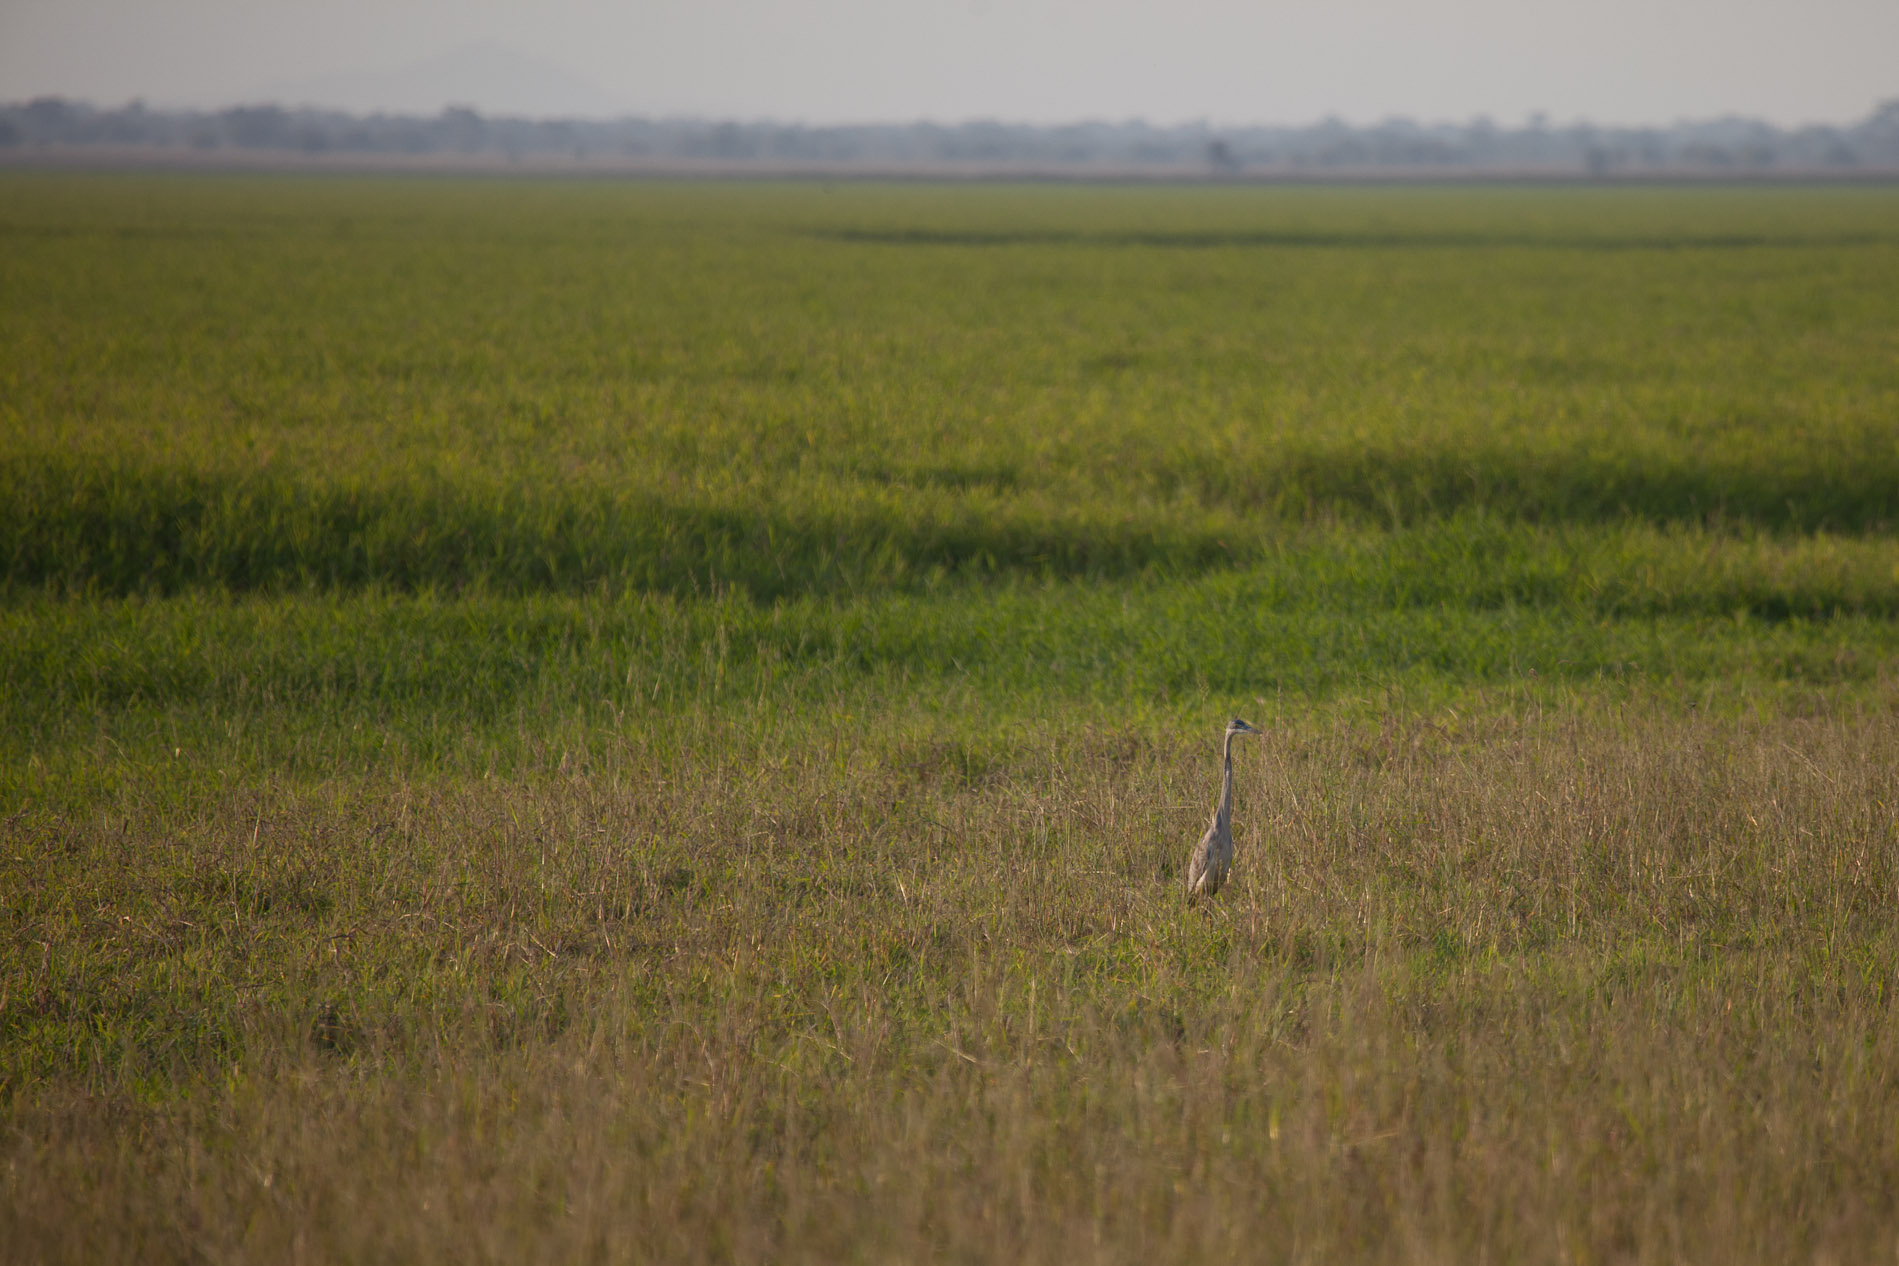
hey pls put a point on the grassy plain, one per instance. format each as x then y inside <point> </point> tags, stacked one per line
<point>553,721</point>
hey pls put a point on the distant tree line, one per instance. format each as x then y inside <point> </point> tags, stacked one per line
<point>1730,144</point>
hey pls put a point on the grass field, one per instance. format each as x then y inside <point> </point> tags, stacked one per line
<point>548,721</point>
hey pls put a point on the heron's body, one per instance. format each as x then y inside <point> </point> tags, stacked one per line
<point>1213,856</point>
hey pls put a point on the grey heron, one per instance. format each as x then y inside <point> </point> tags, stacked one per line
<point>1213,855</point>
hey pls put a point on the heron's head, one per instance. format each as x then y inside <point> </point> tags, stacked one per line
<point>1237,726</point>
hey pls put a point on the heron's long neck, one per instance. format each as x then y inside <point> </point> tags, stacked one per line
<point>1225,811</point>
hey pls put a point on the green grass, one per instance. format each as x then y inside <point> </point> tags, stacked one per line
<point>599,721</point>
<point>312,686</point>
<point>280,384</point>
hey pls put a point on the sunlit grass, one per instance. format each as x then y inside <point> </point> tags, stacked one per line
<point>586,721</point>
<point>277,383</point>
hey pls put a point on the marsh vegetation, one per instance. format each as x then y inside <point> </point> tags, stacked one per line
<point>589,721</point>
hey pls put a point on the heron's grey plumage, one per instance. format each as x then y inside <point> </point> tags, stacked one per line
<point>1213,855</point>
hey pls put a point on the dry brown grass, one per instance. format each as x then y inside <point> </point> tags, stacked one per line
<point>1600,986</point>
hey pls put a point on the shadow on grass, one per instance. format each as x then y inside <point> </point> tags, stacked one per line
<point>87,526</point>
<point>1331,240</point>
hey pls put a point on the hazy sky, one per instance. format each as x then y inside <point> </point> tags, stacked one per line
<point>1612,61</point>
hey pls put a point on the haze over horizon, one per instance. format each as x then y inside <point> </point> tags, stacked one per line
<point>1039,61</point>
